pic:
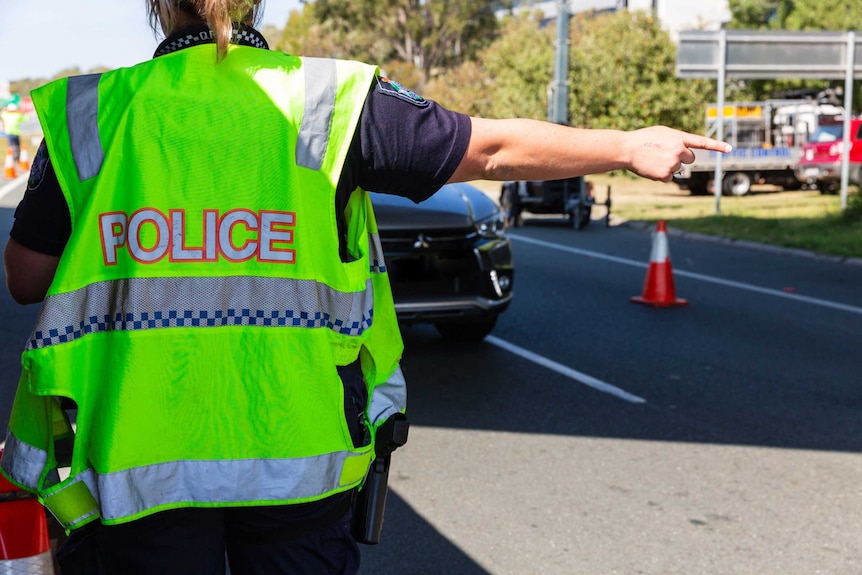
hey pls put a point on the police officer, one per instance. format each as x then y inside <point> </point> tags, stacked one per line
<point>220,320</point>
<point>12,119</point>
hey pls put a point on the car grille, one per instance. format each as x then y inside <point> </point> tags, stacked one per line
<point>431,266</point>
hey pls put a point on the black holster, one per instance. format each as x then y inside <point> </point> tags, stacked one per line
<point>369,503</point>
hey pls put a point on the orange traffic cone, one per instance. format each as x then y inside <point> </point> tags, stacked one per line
<point>658,287</point>
<point>24,542</point>
<point>9,169</point>
<point>24,159</point>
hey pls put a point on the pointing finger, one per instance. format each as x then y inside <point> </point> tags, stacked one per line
<point>704,143</point>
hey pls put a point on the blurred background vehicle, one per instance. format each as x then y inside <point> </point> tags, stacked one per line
<point>571,197</point>
<point>820,164</point>
<point>449,260</point>
<point>767,138</point>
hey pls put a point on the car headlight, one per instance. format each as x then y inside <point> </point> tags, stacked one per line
<point>492,227</point>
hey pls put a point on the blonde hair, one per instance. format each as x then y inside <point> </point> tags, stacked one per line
<point>222,16</point>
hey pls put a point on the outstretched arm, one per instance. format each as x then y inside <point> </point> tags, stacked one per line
<point>519,149</point>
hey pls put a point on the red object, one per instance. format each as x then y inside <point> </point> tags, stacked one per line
<point>23,527</point>
<point>25,106</point>
<point>821,159</point>
<point>658,287</point>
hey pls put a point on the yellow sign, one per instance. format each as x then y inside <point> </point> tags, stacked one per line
<point>736,111</point>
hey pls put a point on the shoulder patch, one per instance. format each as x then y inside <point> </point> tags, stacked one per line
<point>39,166</point>
<point>392,88</point>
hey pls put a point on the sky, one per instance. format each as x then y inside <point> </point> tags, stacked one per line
<point>39,38</point>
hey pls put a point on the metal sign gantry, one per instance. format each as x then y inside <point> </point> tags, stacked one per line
<point>770,54</point>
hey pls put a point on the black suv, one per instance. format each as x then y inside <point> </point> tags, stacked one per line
<point>449,260</point>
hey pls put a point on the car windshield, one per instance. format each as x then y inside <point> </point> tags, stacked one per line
<point>828,133</point>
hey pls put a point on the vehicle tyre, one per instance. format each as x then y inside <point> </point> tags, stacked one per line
<point>579,217</point>
<point>697,187</point>
<point>510,202</point>
<point>827,188</point>
<point>466,330</point>
<point>737,184</point>
<point>792,185</point>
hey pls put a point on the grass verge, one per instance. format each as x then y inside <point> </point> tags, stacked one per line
<point>804,220</point>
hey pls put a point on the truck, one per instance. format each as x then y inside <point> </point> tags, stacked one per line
<point>823,156</point>
<point>767,138</point>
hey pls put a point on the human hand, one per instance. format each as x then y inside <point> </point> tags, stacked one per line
<point>659,152</point>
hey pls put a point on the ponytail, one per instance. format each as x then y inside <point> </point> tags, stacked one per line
<point>222,16</point>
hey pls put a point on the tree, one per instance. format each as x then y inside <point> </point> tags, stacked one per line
<point>792,15</point>
<point>796,14</point>
<point>509,78</point>
<point>304,35</point>
<point>430,34</point>
<point>824,15</point>
<point>623,75</point>
<point>756,14</point>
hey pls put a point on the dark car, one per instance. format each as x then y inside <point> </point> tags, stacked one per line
<point>572,197</point>
<point>449,260</point>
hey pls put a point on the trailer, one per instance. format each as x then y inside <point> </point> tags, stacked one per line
<point>573,198</point>
<point>767,138</point>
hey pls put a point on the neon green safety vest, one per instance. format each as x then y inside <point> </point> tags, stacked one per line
<point>201,307</point>
<point>12,122</point>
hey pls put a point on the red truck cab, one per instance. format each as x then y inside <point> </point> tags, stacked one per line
<point>820,163</point>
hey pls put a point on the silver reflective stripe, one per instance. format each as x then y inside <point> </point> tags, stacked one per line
<point>42,563</point>
<point>152,303</point>
<point>388,398</point>
<point>82,116</point>
<point>321,84</point>
<point>128,492</point>
<point>378,264</point>
<point>22,462</point>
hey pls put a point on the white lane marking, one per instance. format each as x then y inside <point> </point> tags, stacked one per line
<point>701,277</point>
<point>12,185</point>
<point>583,378</point>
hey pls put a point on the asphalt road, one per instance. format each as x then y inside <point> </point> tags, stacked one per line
<point>743,456</point>
<point>590,435</point>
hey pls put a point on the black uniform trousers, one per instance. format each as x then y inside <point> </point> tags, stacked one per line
<point>304,539</point>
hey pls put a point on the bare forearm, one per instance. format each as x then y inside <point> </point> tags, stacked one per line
<point>28,273</point>
<point>520,149</point>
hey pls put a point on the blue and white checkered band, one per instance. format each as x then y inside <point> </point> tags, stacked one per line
<point>196,35</point>
<point>164,303</point>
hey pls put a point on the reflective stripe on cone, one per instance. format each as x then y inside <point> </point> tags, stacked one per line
<point>658,287</point>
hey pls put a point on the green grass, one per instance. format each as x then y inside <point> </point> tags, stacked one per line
<point>804,220</point>
<point>827,235</point>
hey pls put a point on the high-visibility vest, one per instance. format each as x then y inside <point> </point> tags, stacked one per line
<point>12,122</point>
<point>201,306</point>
